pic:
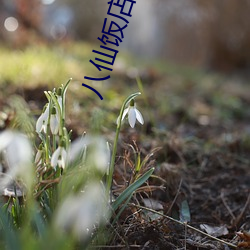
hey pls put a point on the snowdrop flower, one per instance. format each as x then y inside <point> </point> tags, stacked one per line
<point>133,114</point>
<point>17,152</point>
<point>79,214</point>
<point>98,152</point>
<point>42,122</point>
<point>77,149</point>
<point>59,157</point>
<point>54,121</point>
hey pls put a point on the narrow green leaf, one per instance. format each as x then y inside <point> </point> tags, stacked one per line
<point>10,236</point>
<point>185,212</point>
<point>65,87</point>
<point>129,190</point>
<point>122,209</point>
<point>138,163</point>
<point>39,222</point>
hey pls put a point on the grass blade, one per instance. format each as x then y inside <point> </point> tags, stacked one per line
<point>128,191</point>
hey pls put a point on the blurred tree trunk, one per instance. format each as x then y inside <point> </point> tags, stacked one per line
<point>214,33</point>
<point>28,13</point>
<point>229,34</point>
<point>88,18</point>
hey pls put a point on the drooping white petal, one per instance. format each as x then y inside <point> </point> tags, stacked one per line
<point>77,148</point>
<point>124,113</point>
<point>139,116</point>
<point>59,99</point>
<point>101,154</point>
<point>54,124</point>
<point>68,211</point>
<point>63,159</point>
<point>59,158</point>
<point>64,154</point>
<point>18,156</point>
<point>5,139</point>
<point>78,214</point>
<point>98,152</point>
<point>19,151</point>
<point>44,127</point>
<point>61,163</point>
<point>132,117</point>
<point>46,113</point>
<point>39,123</point>
<point>55,156</point>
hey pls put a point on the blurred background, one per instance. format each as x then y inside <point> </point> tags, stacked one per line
<point>192,53</point>
<point>212,34</point>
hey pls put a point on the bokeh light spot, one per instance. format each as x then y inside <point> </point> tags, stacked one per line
<point>11,24</point>
<point>58,31</point>
<point>47,2</point>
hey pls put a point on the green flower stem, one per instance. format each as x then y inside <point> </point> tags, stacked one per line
<point>67,138</point>
<point>63,100</point>
<point>54,142</point>
<point>112,164</point>
<point>47,138</point>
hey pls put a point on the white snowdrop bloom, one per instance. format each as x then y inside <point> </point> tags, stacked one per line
<point>98,152</point>
<point>54,121</point>
<point>17,152</point>
<point>42,122</point>
<point>5,139</point>
<point>133,114</point>
<point>59,157</point>
<point>77,148</point>
<point>80,214</point>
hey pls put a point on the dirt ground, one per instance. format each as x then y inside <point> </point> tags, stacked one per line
<point>199,131</point>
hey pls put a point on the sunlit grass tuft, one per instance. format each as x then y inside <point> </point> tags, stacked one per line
<point>37,65</point>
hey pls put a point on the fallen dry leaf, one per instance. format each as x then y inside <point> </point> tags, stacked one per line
<point>245,236</point>
<point>214,230</point>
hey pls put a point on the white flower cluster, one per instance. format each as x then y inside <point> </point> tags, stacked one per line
<point>62,155</point>
<point>51,117</point>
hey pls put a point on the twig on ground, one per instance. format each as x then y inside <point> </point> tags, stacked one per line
<point>184,224</point>
<point>116,246</point>
<point>227,207</point>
